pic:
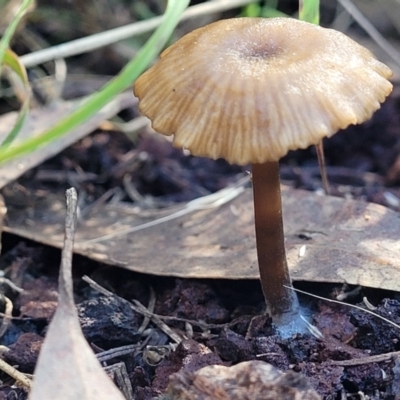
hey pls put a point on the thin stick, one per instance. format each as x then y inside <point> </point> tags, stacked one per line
<point>322,167</point>
<point>150,308</point>
<point>102,39</point>
<point>366,360</point>
<point>12,285</point>
<point>157,321</point>
<point>18,376</point>
<point>7,316</point>
<point>117,352</point>
<point>66,294</point>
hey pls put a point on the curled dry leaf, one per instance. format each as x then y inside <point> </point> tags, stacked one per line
<point>67,368</point>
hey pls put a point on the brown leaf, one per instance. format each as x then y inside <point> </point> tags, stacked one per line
<point>345,240</point>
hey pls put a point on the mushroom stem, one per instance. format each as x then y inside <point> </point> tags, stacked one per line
<point>282,301</point>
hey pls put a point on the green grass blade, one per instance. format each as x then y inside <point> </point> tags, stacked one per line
<point>270,12</point>
<point>11,60</point>
<point>251,10</point>
<point>254,10</point>
<point>8,34</point>
<point>309,11</point>
<point>99,99</point>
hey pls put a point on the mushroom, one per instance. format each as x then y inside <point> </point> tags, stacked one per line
<point>249,90</point>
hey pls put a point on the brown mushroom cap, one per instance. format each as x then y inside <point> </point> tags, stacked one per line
<point>251,89</point>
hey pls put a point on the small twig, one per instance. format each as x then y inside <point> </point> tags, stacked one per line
<point>117,352</point>
<point>150,309</point>
<point>121,378</point>
<point>131,190</point>
<point>322,166</point>
<point>99,288</point>
<point>66,294</point>
<point>98,202</point>
<point>366,360</point>
<point>157,321</point>
<point>12,285</point>
<point>18,376</point>
<point>7,316</point>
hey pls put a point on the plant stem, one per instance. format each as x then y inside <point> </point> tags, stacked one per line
<point>309,11</point>
<point>322,166</point>
<point>10,30</point>
<point>282,301</point>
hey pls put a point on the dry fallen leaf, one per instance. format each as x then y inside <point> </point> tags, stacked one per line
<point>41,119</point>
<point>67,368</point>
<point>329,239</point>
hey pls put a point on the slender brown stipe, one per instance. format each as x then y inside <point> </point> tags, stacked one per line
<point>322,166</point>
<point>274,273</point>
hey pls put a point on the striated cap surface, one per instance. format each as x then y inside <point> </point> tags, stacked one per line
<point>251,89</point>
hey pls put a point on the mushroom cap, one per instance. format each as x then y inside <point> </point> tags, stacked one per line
<point>251,89</point>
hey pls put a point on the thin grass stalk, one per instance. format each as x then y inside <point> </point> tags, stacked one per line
<point>9,32</point>
<point>309,11</point>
